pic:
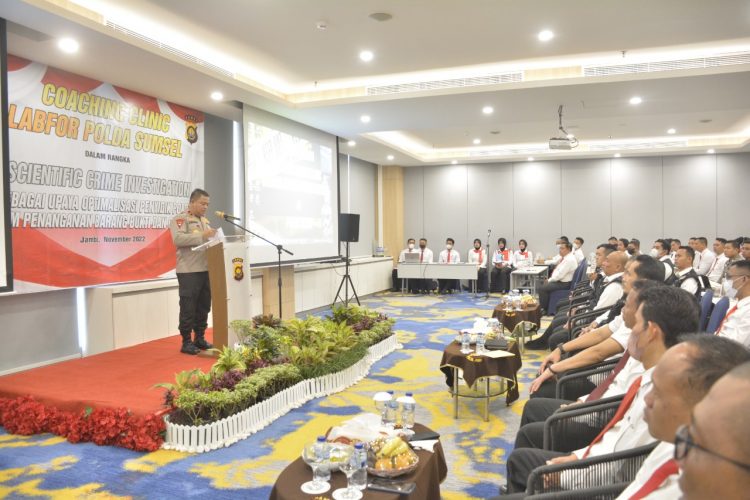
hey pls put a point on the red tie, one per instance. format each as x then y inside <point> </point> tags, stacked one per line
<point>449,256</point>
<point>624,405</point>
<point>600,389</point>
<point>731,311</point>
<point>665,470</point>
<point>480,255</point>
<point>421,255</point>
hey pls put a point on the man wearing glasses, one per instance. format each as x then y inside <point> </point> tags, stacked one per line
<point>736,323</point>
<point>713,451</point>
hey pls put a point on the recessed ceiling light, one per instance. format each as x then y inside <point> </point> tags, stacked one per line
<point>545,35</point>
<point>351,144</point>
<point>477,141</point>
<point>217,96</point>
<point>671,131</point>
<point>617,155</point>
<point>365,118</point>
<point>68,45</point>
<point>530,158</point>
<point>366,55</point>
<point>390,157</point>
<point>488,110</point>
<point>454,162</point>
<point>635,100</point>
<point>711,151</point>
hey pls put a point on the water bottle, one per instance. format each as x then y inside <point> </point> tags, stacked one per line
<point>359,478</point>
<point>465,341</point>
<point>391,412</point>
<point>322,449</point>
<point>480,342</point>
<point>408,407</point>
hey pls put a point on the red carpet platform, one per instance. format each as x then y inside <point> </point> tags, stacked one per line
<point>123,378</point>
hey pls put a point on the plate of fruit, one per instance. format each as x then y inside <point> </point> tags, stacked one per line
<point>390,457</point>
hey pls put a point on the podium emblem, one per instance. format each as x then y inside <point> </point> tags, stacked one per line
<point>239,273</point>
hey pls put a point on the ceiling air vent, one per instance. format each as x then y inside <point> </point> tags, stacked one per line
<point>729,59</point>
<point>638,145</point>
<point>454,83</point>
<point>168,48</point>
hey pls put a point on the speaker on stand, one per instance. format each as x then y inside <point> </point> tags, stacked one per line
<point>348,233</point>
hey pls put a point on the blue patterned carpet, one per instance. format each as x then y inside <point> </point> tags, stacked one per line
<point>45,466</point>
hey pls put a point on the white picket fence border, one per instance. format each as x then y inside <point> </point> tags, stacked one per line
<point>225,432</point>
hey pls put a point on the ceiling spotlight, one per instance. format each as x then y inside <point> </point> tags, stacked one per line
<point>570,136</point>
<point>68,45</point>
<point>530,158</point>
<point>545,36</point>
<point>477,141</point>
<point>671,131</point>
<point>364,118</point>
<point>390,157</point>
<point>635,100</point>
<point>454,162</point>
<point>217,96</point>
<point>351,144</point>
<point>321,25</point>
<point>711,151</point>
<point>617,155</point>
<point>488,110</point>
<point>366,55</point>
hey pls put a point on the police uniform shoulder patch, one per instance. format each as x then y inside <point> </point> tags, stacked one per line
<point>179,223</point>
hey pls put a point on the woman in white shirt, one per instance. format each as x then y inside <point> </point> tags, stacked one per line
<point>522,257</point>
<point>502,266</point>
<point>477,256</point>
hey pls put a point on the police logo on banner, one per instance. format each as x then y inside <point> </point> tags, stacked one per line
<point>239,273</point>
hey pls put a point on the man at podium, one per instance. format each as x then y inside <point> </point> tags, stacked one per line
<point>190,229</point>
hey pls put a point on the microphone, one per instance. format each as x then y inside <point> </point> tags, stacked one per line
<point>226,216</point>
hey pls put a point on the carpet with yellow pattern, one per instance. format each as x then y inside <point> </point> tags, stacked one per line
<point>46,466</point>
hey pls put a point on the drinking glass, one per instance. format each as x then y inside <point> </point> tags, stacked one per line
<point>348,466</point>
<point>315,460</point>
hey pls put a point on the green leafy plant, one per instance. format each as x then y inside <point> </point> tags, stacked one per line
<point>266,320</point>
<point>229,359</point>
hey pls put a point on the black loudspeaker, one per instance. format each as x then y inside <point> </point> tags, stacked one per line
<point>349,227</point>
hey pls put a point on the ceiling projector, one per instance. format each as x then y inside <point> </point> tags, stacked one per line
<point>561,143</point>
<point>567,141</point>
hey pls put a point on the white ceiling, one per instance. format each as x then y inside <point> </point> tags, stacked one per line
<point>276,44</point>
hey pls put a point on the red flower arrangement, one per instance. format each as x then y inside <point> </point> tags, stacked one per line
<point>103,426</point>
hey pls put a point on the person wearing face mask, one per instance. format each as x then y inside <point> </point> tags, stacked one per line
<point>578,249</point>
<point>717,268</point>
<point>502,262</point>
<point>634,247</point>
<point>448,256</point>
<point>736,323</point>
<point>411,247</point>
<point>477,255</point>
<point>660,252</point>
<point>556,256</point>
<point>674,245</point>
<point>731,255</point>
<point>425,257</point>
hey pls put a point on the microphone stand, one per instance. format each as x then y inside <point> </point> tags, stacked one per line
<point>489,262</point>
<point>279,249</point>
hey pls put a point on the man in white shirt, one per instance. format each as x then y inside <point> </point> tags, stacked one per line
<point>674,244</point>
<point>680,380</point>
<point>704,258</point>
<point>478,256</point>
<point>425,257</point>
<point>687,277</point>
<point>578,249</point>
<point>736,323</point>
<point>717,268</point>
<point>661,253</point>
<point>561,276</point>
<point>410,248</point>
<point>746,248</point>
<point>713,452</point>
<point>557,257</point>
<point>665,313</point>
<point>732,249</point>
<point>448,256</point>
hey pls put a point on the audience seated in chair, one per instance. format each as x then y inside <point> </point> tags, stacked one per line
<point>502,264</point>
<point>561,276</point>
<point>448,256</point>
<point>664,314</point>
<point>736,323</point>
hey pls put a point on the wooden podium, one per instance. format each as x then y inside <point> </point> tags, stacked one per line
<point>231,291</point>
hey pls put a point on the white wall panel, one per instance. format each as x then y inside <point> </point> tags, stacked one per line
<point>490,203</point>
<point>536,204</point>
<point>358,186</point>
<point>586,201</point>
<point>690,196</point>
<point>445,210</point>
<point>733,189</point>
<point>637,199</point>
